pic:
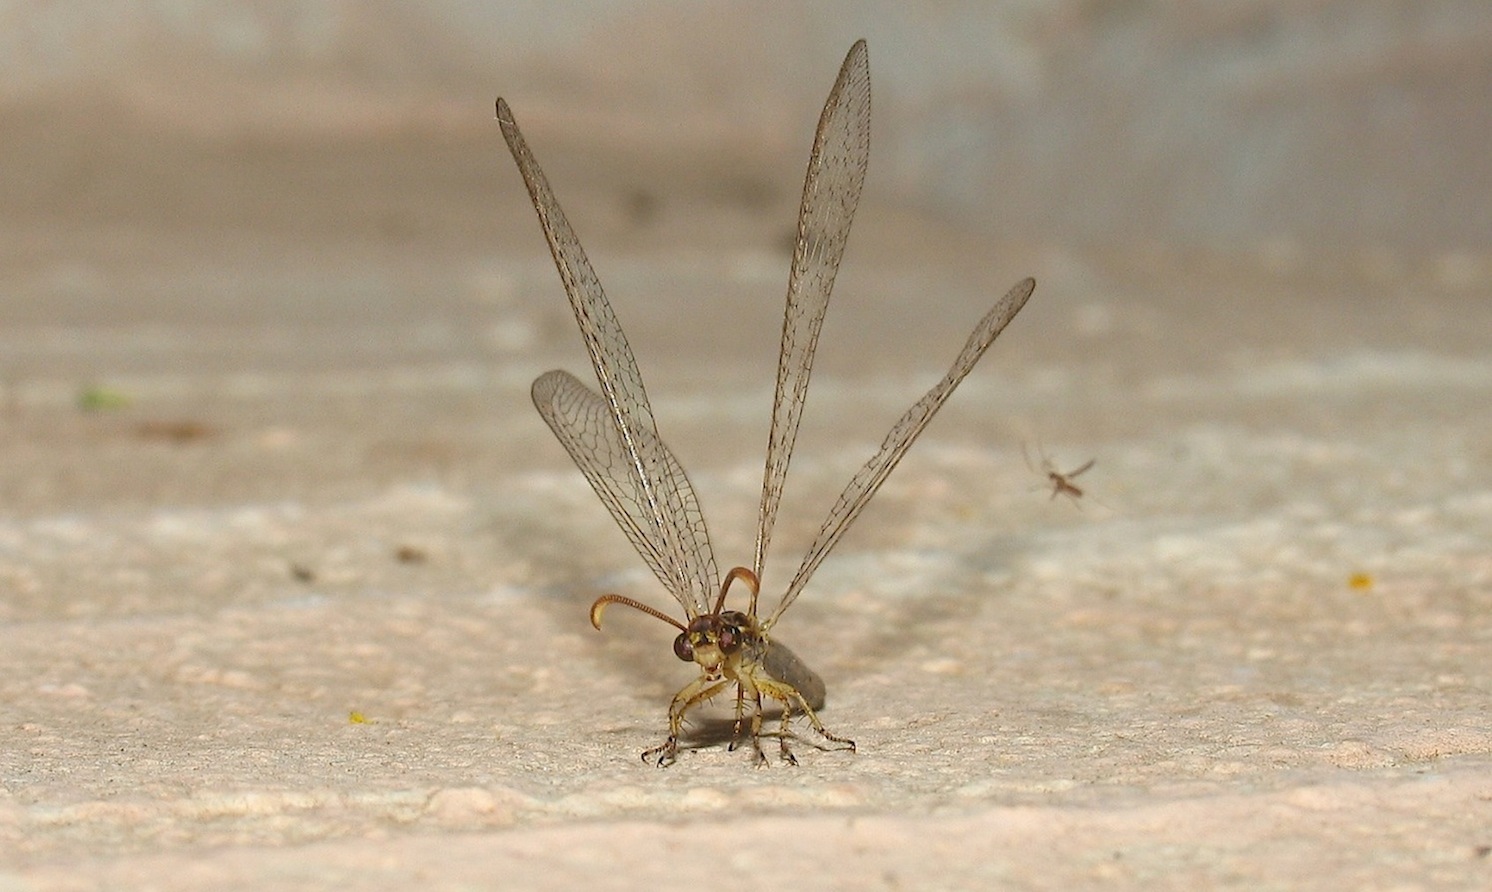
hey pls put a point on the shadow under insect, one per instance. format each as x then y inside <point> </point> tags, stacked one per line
<point>706,731</point>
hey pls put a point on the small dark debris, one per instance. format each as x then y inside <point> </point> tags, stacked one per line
<point>642,206</point>
<point>174,431</point>
<point>411,554</point>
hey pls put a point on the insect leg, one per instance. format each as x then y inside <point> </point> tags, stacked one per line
<point>756,726</point>
<point>782,750</point>
<point>691,695</point>
<point>789,695</point>
<point>735,738</point>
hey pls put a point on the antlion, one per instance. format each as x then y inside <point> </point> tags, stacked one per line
<point>614,440</point>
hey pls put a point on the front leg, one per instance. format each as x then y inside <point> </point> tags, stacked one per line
<point>692,694</point>
<point>759,757</point>
<point>735,734</point>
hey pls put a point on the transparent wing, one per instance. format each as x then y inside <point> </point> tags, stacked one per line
<point>645,467</point>
<point>831,191</point>
<point>870,477</point>
<point>581,421</point>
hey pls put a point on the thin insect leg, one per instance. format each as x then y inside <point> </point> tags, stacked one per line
<point>813,720</point>
<point>818,726</point>
<point>782,733</point>
<point>735,737</point>
<point>685,701</point>
<point>756,728</point>
<point>691,695</point>
<point>667,752</point>
<point>1026,455</point>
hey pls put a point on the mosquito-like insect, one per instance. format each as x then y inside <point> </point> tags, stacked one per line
<point>612,437</point>
<point>1062,484</point>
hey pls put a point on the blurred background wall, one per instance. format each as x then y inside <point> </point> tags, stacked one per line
<point>1214,122</point>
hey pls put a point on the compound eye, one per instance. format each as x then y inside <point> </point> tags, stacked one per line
<point>729,637</point>
<point>682,648</point>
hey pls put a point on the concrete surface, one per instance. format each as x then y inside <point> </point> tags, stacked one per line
<point>298,598</point>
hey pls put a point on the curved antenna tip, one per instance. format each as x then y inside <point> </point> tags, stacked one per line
<point>601,603</point>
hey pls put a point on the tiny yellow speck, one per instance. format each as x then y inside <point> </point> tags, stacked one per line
<point>357,718</point>
<point>96,398</point>
<point>1360,582</point>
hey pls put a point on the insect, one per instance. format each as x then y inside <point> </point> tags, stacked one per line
<point>1062,484</point>
<point>613,439</point>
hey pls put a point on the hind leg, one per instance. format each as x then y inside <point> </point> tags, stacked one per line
<point>791,698</point>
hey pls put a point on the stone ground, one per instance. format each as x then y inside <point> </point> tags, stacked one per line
<point>293,581</point>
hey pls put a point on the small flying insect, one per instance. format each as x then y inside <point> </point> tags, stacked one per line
<point>1062,484</point>
<point>613,439</point>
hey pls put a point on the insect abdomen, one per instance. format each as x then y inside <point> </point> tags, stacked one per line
<point>783,665</point>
